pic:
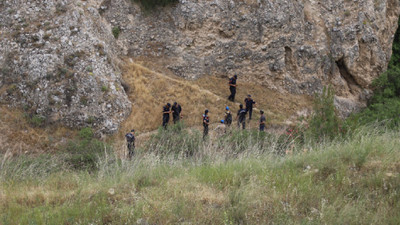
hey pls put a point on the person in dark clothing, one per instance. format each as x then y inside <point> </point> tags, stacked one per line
<point>249,105</point>
<point>262,121</point>
<point>130,139</point>
<point>232,88</point>
<point>166,111</point>
<point>206,122</point>
<point>241,117</point>
<point>228,117</point>
<point>176,112</point>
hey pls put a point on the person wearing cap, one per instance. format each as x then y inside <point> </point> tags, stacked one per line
<point>249,102</point>
<point>206,122</point>
<point>262,121</point>
<point>166,111</point>
<point>232,88</point>
<point>176,112</point>
<point>241,117</point>
<point>130,139</point>
<point>228,117</point>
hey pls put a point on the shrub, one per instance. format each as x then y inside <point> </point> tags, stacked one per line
<point>35,120</point>
<point>83,153</point>
<point>86,133</point>
<point>324,122</point>
<point>116,31</point>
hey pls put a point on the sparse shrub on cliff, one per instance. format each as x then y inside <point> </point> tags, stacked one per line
<point>35,120</point>
<point>151,4</point>
<point>116,31</point>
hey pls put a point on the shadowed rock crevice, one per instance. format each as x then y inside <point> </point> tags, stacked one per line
<point>289,61</point>
<point>347,76</point>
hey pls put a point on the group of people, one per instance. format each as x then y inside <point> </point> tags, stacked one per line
<point>176,111</point>
<point>240,116</point>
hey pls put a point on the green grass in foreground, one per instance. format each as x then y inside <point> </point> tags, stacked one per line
<point>342,182</point>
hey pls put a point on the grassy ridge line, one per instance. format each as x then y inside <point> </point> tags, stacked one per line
<point>344,182</point>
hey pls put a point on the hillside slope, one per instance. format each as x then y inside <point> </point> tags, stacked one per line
<point>61,60</point>
<point>150,90</point>
<point>354,181</point>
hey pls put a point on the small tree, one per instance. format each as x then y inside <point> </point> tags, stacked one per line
<point>324,122</point>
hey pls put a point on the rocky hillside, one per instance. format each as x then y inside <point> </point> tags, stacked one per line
<point>60,59</point>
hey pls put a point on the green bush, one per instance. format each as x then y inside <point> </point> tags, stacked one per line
<point>116,31</point>
<point>83,153</point>
<point>104,88</point>
<point>35,120</point>
<point>151,4</point>
<point>324,122</point>
<point>86,133</point>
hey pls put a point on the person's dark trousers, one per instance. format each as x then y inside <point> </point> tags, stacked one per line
<point>250,111</point>
<point>233,93</point>
<point>262,127</point>
<point>243,124</point>
<point>131,149</point>
<point>175,118</point>
<point>205,132</point>
<point>165,120</point>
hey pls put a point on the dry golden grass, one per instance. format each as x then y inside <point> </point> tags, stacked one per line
<point>17,136</point>
<point>151,90</point>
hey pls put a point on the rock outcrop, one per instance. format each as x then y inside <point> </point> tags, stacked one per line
<point>58,62</point>
<point>59,58</point>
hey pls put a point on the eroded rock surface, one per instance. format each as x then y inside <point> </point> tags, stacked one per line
<point>287,45</point>
<point>57,62</point>
<point>59,58</point>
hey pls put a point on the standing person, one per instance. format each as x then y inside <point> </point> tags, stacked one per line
<point>228,117</point>
<point>249,105</point>
<point>166,111</point>
<point>241,117</point>
<point>262,121</point>
<point>176,112</point>
<point>206,122</point>
<point>232,88</point>
<point>130,139</point>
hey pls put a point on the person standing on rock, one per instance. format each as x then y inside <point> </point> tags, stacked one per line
<point>249,105</point>
<point>130,139</point>
<point>206,122</point>
<point>241,117</point>
<point>176,112</point>
<point>262,121</point>
<point>232,88</point>
<point>166,111</point>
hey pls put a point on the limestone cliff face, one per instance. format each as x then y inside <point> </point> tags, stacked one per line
<point>58,58</point>
<point>288,45</point>
<point>57,62</point>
